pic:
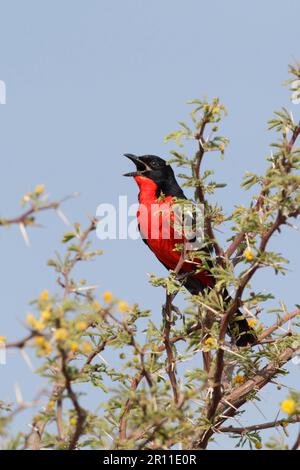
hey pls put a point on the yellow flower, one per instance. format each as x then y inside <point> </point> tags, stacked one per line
<point>35,324</point>
<point>123,306</point>
<point>81,325</point>
<point>87,347</point>
<point>38,325</point>
<point>39,341</point>
<point>44,296</point>
<point>107,296</point>
<point>288,406</point>
<point>44,349</point>
<point>239,379</point>
<point>2,339</point>
<point>96,305</point>
<point>73,421</point>
<point>51,405</point>
<point>258,445</point>
<point>74,346</point>
<point>60,334</point>
<point>208,342</point>
<point>39,189</point>
<point>249,255</point>
<point>30,319</point>
<point>45,315</point>
<point>252,322</point>
<point>222,147</point>
<point>47,349</point>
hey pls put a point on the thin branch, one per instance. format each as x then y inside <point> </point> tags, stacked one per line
<point>200,193</point>
<point>171,371</point>
<point>293,139</point>
<point>257,427</point>
<point>278,324</point>
<point>22,342</point>
<point>99,348</point>
<point>240,236</point>
<point>25,217</point>
<point>123,420</point>
<point>235,244</point>
<point>81,414</point>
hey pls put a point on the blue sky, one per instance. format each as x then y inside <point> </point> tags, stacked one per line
<point>89,81</point>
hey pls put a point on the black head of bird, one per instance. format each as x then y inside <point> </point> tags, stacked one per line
<point>158,170</point>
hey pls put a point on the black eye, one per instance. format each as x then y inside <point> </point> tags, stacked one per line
<point>155,164</point>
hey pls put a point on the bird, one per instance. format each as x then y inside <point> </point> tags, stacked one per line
<point>159,188</point>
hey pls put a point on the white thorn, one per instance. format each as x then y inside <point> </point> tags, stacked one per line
<point>62,216</point>
<point>85,288</point>
<point>24,234</point>
<point>102,358</point>
<point>18,393</point>
<point>108,435</point>
<point>27,359</point>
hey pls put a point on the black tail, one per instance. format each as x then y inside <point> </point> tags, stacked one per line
<point>239,329</point>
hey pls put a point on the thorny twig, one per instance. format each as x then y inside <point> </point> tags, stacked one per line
<point>256,427</point>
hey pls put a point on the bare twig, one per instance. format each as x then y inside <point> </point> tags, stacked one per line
<point>171,371</point>
<point>22,342</point>
<point>257,427</point>
<point>278,324</point>
<point>26,217</point>
<point>123,420</point>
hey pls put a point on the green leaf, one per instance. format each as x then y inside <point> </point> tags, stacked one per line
<point>68,236</point>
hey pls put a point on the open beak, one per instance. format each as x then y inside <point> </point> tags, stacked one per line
<point>141,167</point>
